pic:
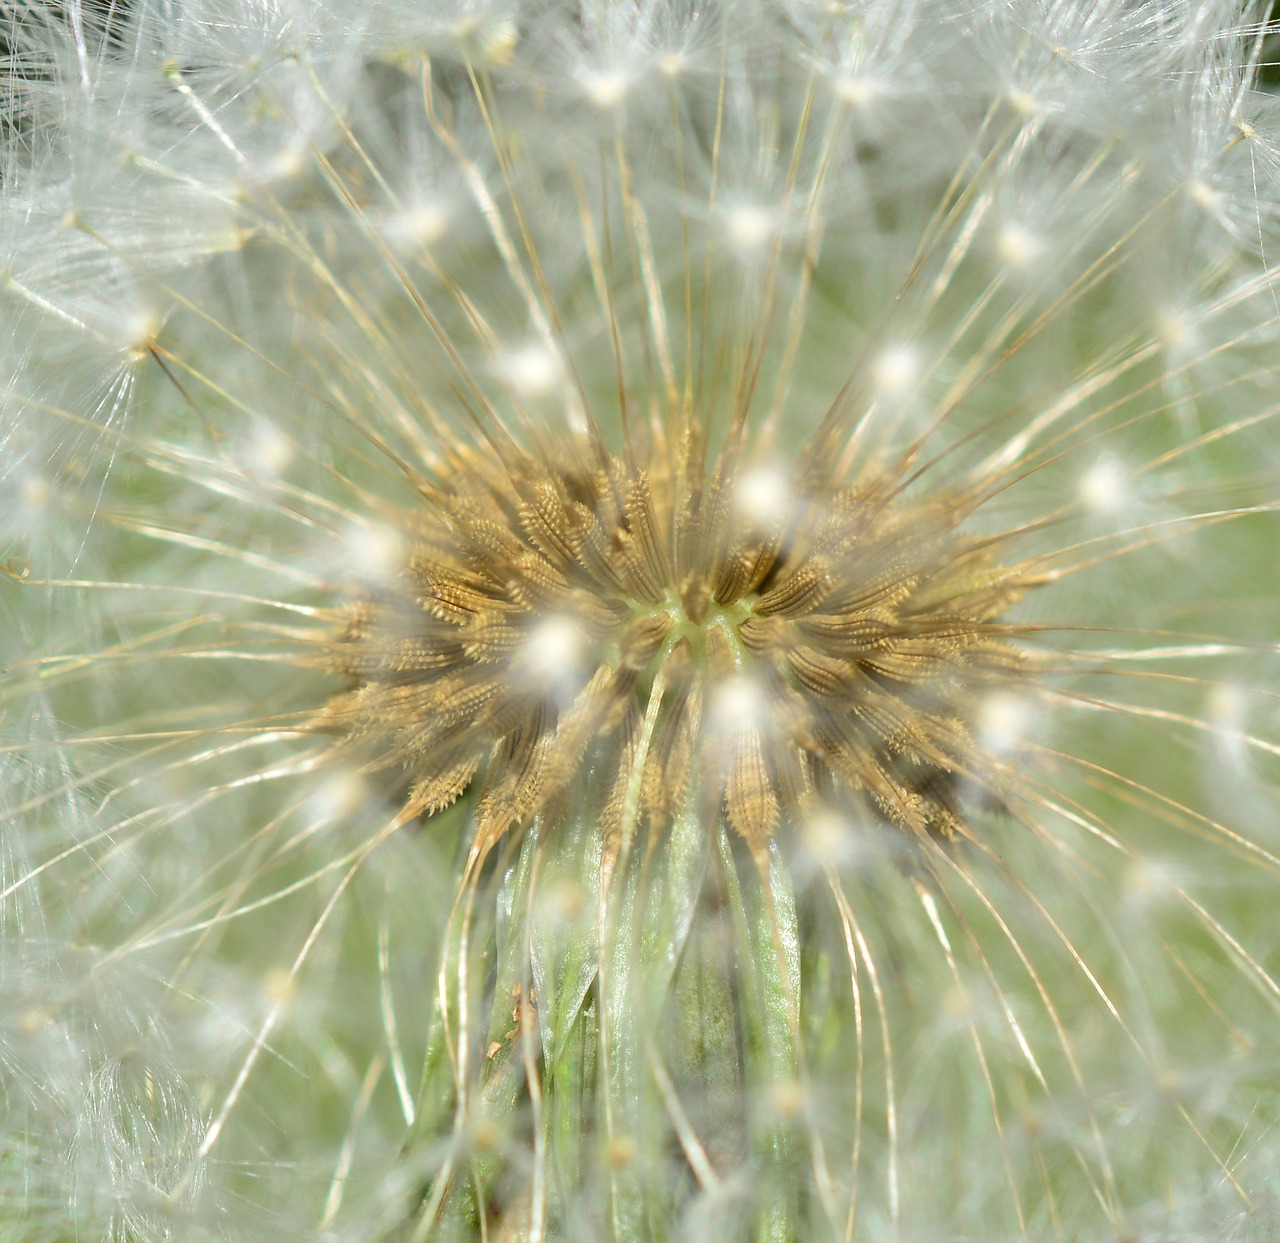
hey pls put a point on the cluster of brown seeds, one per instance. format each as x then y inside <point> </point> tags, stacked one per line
<point>719,640</point>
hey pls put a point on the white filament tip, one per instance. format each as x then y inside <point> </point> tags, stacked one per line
<point>554,651</point>
<point>1104,488</point>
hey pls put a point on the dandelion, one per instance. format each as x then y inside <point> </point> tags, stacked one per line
<point>638,621</point>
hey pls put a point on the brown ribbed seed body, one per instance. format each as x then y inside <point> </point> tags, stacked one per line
<point>559,632</point>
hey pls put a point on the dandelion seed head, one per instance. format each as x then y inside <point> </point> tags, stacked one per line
<point>678,575</point>
<point>543,630</point>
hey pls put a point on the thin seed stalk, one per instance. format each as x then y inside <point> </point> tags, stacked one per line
<point>684,1046</point>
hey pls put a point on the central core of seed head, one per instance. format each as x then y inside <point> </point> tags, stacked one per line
<point>716,628</point>
<point>651,639</point>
